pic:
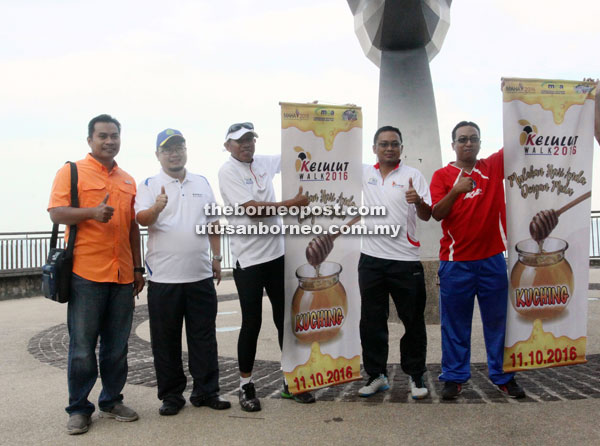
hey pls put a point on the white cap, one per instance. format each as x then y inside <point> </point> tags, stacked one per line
<point>236,131</point>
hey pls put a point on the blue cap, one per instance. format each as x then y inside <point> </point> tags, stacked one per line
<point>165,135</point>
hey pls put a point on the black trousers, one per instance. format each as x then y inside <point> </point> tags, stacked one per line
<point>168,305</point>
<point>250,283</point>
<point>405,282</point>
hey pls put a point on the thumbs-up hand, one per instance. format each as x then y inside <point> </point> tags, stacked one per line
<point>464,184</point>
<point>412,197</point>
<point>103,212</point>
<point>300,199</point>
<point>161,200</point>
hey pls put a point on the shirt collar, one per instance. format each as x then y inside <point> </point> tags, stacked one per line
<point>376,166</point>
<point>240,163</point>
<point>99,166</point>
<point>169,179</point>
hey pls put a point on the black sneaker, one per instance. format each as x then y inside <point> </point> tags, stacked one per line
<point>451,390</point>
<point>304,398</point>
<point>512,389</point>
<point>248,399</point>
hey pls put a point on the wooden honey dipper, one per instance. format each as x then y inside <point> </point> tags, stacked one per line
<point>319,247</point>
<point>544,222</point>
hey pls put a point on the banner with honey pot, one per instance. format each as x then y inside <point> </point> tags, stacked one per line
<point>321,151</point>
<point>548,148</point>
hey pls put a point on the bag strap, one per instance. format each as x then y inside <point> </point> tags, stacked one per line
<point>74,204</point>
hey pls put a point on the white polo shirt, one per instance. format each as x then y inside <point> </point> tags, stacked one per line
<point>176,254</point>
<point>391,194</point>
<point>242,182</point>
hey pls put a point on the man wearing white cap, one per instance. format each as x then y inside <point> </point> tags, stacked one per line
<point>180,277</point>
<point>247,180</point>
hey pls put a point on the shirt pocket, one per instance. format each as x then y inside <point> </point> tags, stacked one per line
<point>126,198</point>
<point>92,194</point>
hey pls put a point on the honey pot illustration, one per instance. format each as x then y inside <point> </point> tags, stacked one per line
<point>541,280</point>
<point>319,305</point>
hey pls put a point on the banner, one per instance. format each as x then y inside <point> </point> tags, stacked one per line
<point>548,148</point>
<point>321,151</point>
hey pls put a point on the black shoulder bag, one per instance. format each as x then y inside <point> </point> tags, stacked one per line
<point>56,273</point>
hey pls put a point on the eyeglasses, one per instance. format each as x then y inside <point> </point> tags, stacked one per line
<point>169,150</point>
<point>236,127</point>
<point>463,139</point>
<point>386,144</point>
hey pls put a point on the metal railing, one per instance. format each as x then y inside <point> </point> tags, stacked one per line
<point>595,235</point>
<point>26,252</point>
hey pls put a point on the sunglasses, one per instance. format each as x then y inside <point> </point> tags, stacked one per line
<point>236,127</point>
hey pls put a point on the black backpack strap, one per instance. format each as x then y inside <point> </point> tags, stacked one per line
<point>54,236</point>
<point>74,204</point>
<point>74,180</point>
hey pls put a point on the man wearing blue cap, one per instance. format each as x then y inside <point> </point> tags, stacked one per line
<point>180,277</point>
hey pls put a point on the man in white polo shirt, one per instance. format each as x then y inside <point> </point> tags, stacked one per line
<point>390,266</point>
<point>247,180</point>
<point>180,277</point>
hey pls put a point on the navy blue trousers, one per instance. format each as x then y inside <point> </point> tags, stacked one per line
<point>460,282</point>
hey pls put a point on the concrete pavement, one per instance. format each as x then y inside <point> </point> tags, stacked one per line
<point>34,395</point>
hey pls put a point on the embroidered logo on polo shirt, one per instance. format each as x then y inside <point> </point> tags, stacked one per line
<point>394,184</point>
<point>248,181</point>
<point>372,181</point>
<point>196,195</point>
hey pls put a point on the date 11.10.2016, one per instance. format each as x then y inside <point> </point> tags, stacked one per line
<point>539,357</point>
<point>317,380</point>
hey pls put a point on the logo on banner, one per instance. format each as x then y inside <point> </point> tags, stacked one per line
<point>310,170</point>
<point>518,88</point>
<point>324,112</point>
<point>324,115</point>
<point>295,115</point>
<point>583,89</point>
<point>350,115</point>
<point>302,156</point>
<point>535,144</point>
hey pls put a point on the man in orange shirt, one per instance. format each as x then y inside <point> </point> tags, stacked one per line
<point>106,272</point>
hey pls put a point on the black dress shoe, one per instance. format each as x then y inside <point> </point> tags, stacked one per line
<point>214,402</point>
<point>168,409</point>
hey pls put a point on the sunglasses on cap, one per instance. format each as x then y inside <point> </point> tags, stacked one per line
<point>236,127</point>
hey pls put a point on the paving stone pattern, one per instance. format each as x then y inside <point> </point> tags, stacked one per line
<point>556,384</point>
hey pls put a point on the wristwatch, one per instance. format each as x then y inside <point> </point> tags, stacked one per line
<point>218,258</point>
<point>139,269</point>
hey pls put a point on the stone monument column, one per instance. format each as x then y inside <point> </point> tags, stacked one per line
<point>401,37</point>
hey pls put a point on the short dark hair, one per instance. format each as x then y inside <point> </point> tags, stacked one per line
<point>464,124</point>
<point>102,118</point>
<point>386,128</point>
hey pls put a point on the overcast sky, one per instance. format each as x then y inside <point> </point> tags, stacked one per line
<point>199,66</point>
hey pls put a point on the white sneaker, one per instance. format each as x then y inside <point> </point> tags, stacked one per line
<point>374,385</point>
<point>417,388</point>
